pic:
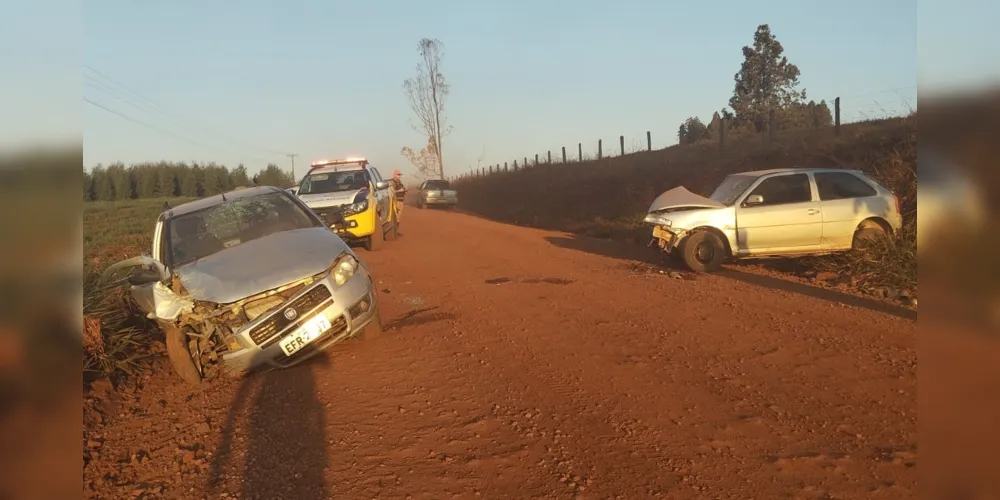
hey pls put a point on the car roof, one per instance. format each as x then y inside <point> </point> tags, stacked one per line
<point>218,199</point>
<point>770,171</point>
<point>328,169</point>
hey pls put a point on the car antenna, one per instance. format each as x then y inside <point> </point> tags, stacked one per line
<point>166,205</point>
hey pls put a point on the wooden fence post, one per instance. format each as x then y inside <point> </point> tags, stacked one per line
<point>515,164</point>
<point>491,169</point>
<point>525,164</point>
<point>649,141</point>
<point>579,150</point>
<point>550,157</point>
<point>504,166</point>
<point>836,111</point>
<point>564,154</point>
<point>600,149</point>
<point>621,144</point>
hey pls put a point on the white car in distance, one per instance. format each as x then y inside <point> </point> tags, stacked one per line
<point>773,213</point>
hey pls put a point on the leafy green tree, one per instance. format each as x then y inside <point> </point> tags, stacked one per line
<point>692,131</point>
<point>273,175</point>
<point>88,186</point>
<point>239,176</point>
<point>765,81</point>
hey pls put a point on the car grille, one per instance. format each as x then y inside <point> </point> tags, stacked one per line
<point>331,216</point>
<point>338,326</point>
<point>277,322</point>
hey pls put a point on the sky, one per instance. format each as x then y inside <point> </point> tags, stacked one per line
<point>250,81</point>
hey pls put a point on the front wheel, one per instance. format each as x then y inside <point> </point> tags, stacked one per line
<point>703,252</point>
<point>180,356</point>
<point>373,330</point>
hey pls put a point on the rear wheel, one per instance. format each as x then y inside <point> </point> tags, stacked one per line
<point>866,234</point>
<point>180,356</point>
<point>703,252</point>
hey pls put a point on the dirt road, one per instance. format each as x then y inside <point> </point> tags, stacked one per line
<point>524,364</point>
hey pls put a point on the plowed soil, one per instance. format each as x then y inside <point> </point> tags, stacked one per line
<point>519,363</point>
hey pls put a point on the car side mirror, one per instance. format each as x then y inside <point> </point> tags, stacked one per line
<point>142,276</point>
<point>293,191</point>
<point>381,185</point>
<point>754,199</point>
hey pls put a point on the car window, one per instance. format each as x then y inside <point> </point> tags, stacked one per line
<point>377,175</point>
<point>731,188</point>
<point>438,184</point>
<point>332,182</point>
<point>784,189</point>
<point>841,185</point>
<point>200,234</point>
<point>423,185</point>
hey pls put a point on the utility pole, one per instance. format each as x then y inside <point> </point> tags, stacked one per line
<point>292,156</point>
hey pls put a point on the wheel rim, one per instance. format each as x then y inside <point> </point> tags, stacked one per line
<point>704,253</point>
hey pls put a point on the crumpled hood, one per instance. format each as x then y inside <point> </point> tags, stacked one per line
<point>329,199</point>
<point>260,265</point>
<point>680,197</point>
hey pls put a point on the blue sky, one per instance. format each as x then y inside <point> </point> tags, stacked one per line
<point>244,81</point>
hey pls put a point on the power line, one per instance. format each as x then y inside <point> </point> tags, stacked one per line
<point>155,128</point>
<point>164,112</point>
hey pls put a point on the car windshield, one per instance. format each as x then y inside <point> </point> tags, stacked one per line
<point>199,234</point>
<point>437,185</point>
<point>333,182</point>
<point>731,188</point>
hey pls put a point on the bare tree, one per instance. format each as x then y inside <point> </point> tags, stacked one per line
<point>427,92</point>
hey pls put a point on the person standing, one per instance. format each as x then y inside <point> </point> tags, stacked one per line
<point>400,190</point>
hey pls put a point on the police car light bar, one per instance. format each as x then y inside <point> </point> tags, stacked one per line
<point>342,161</point>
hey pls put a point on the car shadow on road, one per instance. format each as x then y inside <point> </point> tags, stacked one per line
<point>652,256</point>
<point>273,441</point>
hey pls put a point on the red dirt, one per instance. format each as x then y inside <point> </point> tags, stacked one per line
<point>587,373</point>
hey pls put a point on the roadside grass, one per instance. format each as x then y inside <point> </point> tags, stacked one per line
<point>608,198</point>
<point>116,335</point>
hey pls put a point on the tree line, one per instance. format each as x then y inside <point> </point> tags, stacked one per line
<point>170,179</point>
<point>766,81</point>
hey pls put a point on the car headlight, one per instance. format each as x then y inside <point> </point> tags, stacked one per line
<point>658,220</point>
<point>356,208</point>
<point>344,269</point>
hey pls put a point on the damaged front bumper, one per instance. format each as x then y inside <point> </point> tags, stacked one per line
<point>347,309</point>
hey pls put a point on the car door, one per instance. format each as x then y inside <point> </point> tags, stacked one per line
<point>845,200</point>
<point>787,221</point>
<point>382,197</point>
<point>422,191</point>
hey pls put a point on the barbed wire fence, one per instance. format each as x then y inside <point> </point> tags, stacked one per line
<point>852,109</point>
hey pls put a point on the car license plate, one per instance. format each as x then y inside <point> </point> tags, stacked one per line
<point>308,332</point>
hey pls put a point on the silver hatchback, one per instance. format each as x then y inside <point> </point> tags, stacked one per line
<point>779,212</point>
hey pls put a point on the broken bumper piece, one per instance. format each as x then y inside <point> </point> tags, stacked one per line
<point>317,318</point>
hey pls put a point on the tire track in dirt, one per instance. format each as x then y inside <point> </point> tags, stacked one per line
<point>506,260</point>
<point>581,375</point>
